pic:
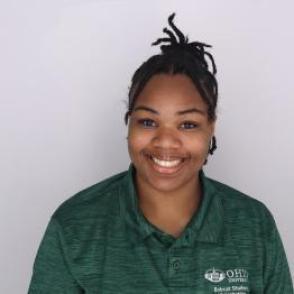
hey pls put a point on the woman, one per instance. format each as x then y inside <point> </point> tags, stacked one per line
<point>162,226</point>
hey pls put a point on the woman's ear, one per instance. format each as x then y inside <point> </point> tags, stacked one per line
<point>212,127</point>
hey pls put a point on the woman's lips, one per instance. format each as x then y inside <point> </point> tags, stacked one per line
<point>166,164</point>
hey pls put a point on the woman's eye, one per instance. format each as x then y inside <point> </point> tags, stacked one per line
<point>189,125</point>
<point>147,123</point>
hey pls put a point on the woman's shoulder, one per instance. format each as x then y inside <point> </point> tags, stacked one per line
<point>100,198</point>
<point>231,194</point>
<point>241,207</point>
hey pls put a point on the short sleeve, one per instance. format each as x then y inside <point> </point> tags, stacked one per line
<point>52,272</point>
<point>277,277</point>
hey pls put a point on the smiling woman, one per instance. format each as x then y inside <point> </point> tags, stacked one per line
<point>169,138</point>
<point>170,124</point>
<point>163,226</point>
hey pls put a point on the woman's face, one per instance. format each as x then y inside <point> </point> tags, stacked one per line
<point>169,132</point>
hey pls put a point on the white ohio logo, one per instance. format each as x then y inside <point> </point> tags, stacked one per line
<point>214,275</point>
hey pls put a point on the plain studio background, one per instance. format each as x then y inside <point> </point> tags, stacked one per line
<point>65,71</point>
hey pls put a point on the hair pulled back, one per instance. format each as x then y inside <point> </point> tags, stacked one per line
<point>178,56</point>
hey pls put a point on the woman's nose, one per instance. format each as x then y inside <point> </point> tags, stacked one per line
<point>166,138</point>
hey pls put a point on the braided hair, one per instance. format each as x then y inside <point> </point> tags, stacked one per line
<point>179,56</point>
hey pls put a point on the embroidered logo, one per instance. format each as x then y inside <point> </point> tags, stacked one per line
<point>236,275</point>
<point>214,275</point>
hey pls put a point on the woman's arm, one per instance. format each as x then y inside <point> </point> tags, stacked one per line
<point>52,271</point>
<point>277,277</point>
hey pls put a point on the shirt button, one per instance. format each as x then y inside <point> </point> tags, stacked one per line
<point>176,264</point>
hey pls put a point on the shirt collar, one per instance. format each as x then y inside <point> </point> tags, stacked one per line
<point>205,226</point>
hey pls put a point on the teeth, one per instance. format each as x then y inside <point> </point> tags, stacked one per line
<point>166,163</point>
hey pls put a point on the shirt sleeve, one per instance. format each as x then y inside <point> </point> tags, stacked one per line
<point>277,277</point>
<point>52,272</point>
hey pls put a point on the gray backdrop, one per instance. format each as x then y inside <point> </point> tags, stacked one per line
<point>65,71</point>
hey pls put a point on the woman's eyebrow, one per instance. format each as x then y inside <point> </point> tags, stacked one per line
<point>191,110</point>
<point>181,112</point>
<point>146,108</point>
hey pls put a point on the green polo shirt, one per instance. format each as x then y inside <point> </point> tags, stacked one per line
<point>98,241</point>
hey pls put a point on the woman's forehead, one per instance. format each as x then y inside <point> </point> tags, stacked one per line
<point>171,91</point>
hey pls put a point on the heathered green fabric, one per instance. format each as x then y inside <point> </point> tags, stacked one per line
<point>99,242</point>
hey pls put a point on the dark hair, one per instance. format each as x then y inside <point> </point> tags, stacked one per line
<point>178,56</point>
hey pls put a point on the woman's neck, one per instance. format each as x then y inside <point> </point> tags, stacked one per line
<point>170,211</point>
